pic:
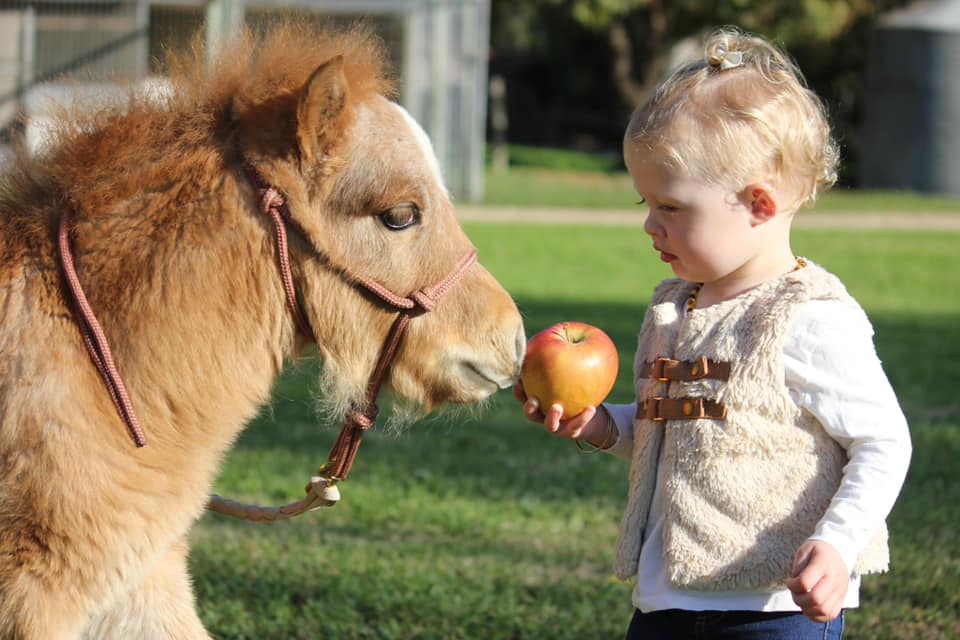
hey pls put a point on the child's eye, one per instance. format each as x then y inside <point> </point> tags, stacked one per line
<point>642,201</point>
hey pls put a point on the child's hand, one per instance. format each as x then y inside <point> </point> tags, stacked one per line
<point>572,428</point>
<point>820,580</point>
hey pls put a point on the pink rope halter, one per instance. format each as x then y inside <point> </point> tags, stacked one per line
<point>96,340</point>
<point>344,451</point>
<point>321,489</point>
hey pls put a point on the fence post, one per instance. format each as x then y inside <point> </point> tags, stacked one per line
<point>17,71</point>
<point>223,19</point>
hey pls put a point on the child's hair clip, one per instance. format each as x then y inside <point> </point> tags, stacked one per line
<point>726,59</point>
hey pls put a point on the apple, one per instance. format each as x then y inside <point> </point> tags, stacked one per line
<point>572,364</point>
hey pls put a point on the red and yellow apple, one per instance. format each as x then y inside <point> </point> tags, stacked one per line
<point>572,364</point>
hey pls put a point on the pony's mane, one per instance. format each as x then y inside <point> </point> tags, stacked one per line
<point>119,147</point>
<point>260,66</point>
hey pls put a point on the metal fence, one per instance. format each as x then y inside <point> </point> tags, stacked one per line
<point>438,50</point>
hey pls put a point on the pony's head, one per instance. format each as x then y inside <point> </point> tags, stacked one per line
<point>310,114</point>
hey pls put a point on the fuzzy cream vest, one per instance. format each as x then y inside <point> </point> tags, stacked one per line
<point>740,494</point>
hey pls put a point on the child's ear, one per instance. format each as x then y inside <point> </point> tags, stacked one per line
<point>762,203</point>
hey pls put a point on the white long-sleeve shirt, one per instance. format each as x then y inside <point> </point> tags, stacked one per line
<point>833,372</point>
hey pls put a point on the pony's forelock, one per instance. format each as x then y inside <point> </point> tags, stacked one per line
<point>258,66</point>
<point>150,130</point>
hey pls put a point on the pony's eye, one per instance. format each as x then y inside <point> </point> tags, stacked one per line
<point>401,216</point>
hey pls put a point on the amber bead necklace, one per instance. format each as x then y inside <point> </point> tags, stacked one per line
<point>692,300</point>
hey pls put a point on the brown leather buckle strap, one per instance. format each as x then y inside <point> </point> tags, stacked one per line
<point>685,370</point>
<point>659,408</point>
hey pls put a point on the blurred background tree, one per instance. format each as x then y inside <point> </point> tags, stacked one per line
<point>575,69</point>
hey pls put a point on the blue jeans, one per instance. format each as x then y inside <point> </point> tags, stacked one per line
<point>675,624</point>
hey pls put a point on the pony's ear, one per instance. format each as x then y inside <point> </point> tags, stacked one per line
<point>321,102</point>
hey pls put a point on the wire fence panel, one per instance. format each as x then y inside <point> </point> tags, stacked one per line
<point>57,51</point>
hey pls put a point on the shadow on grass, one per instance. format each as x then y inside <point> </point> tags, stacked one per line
<point>482,525</point>
<point>354,588</point>
<point>494,451</point>
<point>487,450</point>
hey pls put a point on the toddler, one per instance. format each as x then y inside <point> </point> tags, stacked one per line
<point>766,444</point>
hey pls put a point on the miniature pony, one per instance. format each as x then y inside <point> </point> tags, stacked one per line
<point>180,267</point>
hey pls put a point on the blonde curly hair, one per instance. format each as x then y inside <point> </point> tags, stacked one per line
<point>741,112</point>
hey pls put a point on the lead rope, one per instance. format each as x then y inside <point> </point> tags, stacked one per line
<point>423,300</point>
<point>322,490</point>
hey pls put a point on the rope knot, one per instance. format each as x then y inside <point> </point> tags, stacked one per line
<point>364,418</point>
<point>270,199</point>
<point>425,298</point>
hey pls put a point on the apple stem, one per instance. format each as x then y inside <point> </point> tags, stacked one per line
<point>575,339</point>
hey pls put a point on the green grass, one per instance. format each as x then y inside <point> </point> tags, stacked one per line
<point>483,526</point>
<point>561,159</point>
<point>878,201</point>
<point>560,178</point>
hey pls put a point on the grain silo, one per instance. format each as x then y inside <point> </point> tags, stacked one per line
<point>911,135</point>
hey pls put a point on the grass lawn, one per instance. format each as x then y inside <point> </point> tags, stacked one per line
<point>573,186</point>
<point>476,524</point>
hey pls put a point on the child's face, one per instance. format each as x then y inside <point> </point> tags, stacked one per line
<point>703,231</point>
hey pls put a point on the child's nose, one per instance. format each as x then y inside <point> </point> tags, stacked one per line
<point>651,227</point>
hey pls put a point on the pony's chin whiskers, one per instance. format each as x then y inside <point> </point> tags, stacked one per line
<point>402,416</point>
<point>336,395</point>
<point>460,413</point>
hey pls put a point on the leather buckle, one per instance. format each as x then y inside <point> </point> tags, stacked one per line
<point>693,408</point>
<point>700,368</point>
<point>664,369</point>
<point>660,408</point>
<point>658,368</point>
<point>651,409</point>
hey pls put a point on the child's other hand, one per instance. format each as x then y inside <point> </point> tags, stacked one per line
<point>572,428</point>
<point>820,580</point>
